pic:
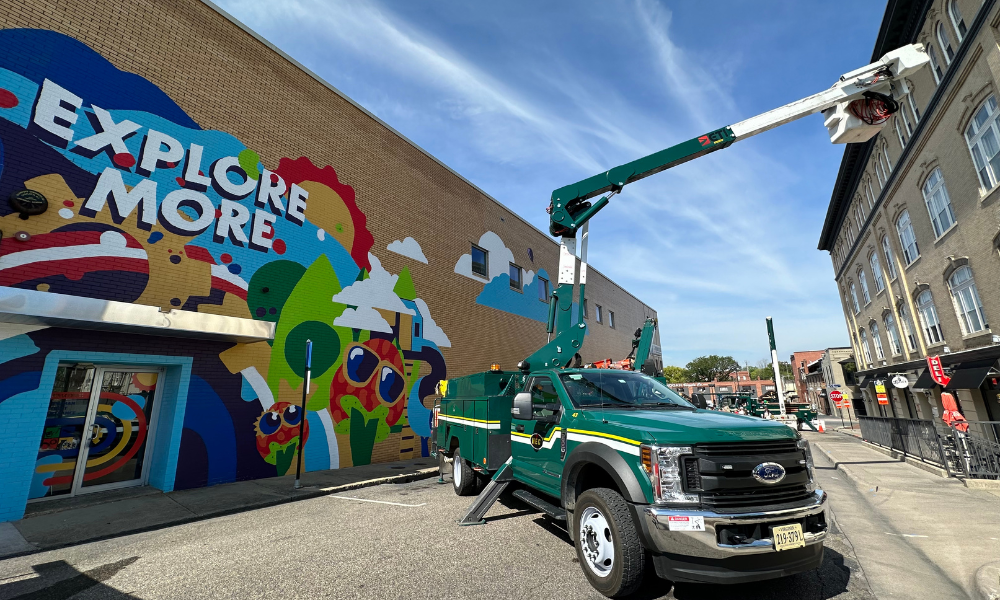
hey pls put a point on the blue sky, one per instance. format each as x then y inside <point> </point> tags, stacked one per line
<point>524,97</point>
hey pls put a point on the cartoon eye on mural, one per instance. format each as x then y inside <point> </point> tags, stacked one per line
<point>147,207</point>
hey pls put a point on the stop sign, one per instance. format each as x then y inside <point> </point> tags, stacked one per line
<point>836,396</point>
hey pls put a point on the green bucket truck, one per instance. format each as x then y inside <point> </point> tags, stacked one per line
<point>634,470</point>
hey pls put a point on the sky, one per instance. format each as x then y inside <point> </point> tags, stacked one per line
<point>523,97</point>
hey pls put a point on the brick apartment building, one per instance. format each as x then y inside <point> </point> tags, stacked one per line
<point>189,206</point>
<point>799,361</point>
<point>913,219</point>
<point>739,383</point>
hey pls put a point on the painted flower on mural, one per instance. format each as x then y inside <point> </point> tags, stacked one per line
<point>278,434</point>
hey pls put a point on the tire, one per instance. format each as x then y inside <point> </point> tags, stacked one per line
<point>607,543</point>
<point>463,478</point>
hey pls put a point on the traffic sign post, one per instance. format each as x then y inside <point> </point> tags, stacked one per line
<point>838,396</point>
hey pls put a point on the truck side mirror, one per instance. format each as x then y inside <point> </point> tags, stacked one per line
<point>521,409</point>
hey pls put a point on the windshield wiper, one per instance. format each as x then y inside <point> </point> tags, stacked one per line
<point>668,405</point>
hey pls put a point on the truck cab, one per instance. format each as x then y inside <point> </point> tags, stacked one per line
<point>636,470</point>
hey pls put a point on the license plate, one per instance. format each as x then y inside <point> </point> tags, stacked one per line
<point>787,537</point>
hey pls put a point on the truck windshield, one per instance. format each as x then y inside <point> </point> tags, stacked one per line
<point>619,388</point>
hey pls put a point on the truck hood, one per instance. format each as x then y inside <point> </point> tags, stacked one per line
<point>670,426</point>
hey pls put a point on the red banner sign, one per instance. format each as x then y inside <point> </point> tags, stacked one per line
<point>937,371</point>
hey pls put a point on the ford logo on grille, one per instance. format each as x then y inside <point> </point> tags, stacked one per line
<point>769,473</point>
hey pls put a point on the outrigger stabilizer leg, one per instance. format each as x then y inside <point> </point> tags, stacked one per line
<point>481,505</point>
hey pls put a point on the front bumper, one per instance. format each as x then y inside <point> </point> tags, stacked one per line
<point>701,556</point>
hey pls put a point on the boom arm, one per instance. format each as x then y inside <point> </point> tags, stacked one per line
<point>570,208</point>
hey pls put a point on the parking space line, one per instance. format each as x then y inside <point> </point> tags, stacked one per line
<point>378,501</point>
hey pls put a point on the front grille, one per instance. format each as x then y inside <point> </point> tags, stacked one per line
<point>755,499</point>
<point>723,474</point>
<point>692,477</point>
<point>746,448</point>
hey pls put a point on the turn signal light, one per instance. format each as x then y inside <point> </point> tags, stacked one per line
<point>646,456</point>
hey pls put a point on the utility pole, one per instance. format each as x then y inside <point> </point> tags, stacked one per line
<point>778,384</point>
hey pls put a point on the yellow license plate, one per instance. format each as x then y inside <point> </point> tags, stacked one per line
<point>787,537</point>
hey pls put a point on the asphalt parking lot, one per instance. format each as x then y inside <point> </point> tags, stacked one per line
<point>389,541</point>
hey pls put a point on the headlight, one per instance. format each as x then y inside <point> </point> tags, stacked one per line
<point>804,446</point>
<point>663,466</point>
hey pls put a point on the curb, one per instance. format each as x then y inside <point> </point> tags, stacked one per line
<point>988,581</point>
<point>303,495</point>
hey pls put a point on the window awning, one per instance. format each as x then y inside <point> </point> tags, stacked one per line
<point>969,378</point>
<point>924,381</point>
<point>31,307</point>
<point>865,381</point>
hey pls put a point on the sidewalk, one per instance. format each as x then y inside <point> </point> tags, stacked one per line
<point>910,528</point>
<point>66,522</point>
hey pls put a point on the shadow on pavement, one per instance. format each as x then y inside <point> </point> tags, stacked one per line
<point>59,580</point>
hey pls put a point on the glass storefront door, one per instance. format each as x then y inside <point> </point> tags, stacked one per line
<point>97,431</point>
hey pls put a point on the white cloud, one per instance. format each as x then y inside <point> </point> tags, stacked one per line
<point>374,292</point>
<point>363,318</point>
<point>409,248</point>
<point>431,330</point>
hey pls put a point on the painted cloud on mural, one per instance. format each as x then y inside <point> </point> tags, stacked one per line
<point>409,248</point>
<point>432,332</point>
<point>375,292</point>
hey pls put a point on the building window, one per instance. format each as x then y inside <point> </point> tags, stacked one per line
<point>864,286</point>
<point>877,342</point>
<point>938,203</point>
<point>597,313</point>
<point>908,331</point>
<point>945,42</point>
<point>543,289</point>
<point>854,299</point>
<point>929,318</point>
<point>967,303</point>
<point>871,196</point>
<point>585,314</point>
<point>515,277</point>
<point>906,238</point>
<point>865,349</point>
<point>982,136</point>
<point>877,272</point>
<point>885,159</point>
<point>913,106</point>
<point>611,319</point>
<point>878,172</point>
<point>956,20</point>
<point>899,134</point>
<point>416,329</point>
<point>892,333</point>
<point>906,120</point>
<point>887,251</point>
<point>935,65</point>
<point>480,261</point>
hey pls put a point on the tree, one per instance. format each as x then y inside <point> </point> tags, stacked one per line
<point>676,374</point>
<point>764,370</point>
<point>712,368</point>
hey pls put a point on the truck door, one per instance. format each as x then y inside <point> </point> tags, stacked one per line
<point>537,445</point>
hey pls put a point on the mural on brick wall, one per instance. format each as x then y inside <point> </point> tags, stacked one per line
<point>146,206</point>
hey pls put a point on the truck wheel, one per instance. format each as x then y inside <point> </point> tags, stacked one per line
<point>462,476</point>
<point>607,544</point>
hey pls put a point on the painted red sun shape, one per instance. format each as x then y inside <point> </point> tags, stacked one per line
<point>7,99</point>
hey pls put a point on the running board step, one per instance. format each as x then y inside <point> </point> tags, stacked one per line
<point>481,505</point>
<point>537,503</point>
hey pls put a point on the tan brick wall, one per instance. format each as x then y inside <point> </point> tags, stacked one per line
<point>227,80</point>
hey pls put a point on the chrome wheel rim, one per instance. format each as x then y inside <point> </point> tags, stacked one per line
<point>456,471</point>
<point>596,542</point>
